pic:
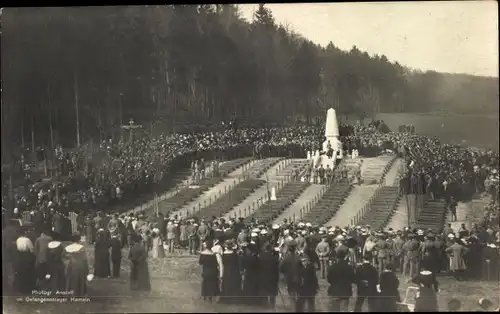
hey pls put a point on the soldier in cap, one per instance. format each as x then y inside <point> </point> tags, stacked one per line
<point>428,253</point>
<point>411,256</point>
<point>381,248</point>
<point>323,252</point>
<point>397,249</point>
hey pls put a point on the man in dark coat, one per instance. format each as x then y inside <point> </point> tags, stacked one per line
<point>340,277</point>
<point>268,275</point>
<point>308,287</point>
<point>291,268</point>
<point>367,281</point>
<point>116,256</point>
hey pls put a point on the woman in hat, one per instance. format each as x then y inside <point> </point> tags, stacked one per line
<point>426,300</point>
<point>231,277</point>
<point>157,250</point>
<point>210,272</point>
<point>102,262</point>
<point>23,264</point>
<point>56,274</point>
<point>139,270</point>
<point>77,270</point>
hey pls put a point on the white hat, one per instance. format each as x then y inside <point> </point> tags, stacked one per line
<point>451,236</point>
<point>321,232</point>
<point>53,244</point>
<point>263,231</point>
<point>304,232</point>
<point>331,233</point>
<point>340,238</point>
<point>420,232</point>
<point>425,273</point>
<point>156,230</point>
<point>16,210</point>
<point>322,229</point>
<point>286,232</point>
<point>253,235</point>
<point>49,204</point>
<point>492,245</point>
<point>256,230</point>
<point>276,227</point>
<point>308,224</point>
<point>300,224</point>
<point>332,229</point>
<point>74,247</point>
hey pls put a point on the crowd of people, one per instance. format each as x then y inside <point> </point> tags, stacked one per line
<point>260,253</point>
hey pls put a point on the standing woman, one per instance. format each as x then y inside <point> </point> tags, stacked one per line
<point>231,283</point>
<point>57,269</point>
<point>426,300</point>
<point>101,262</point>
<point>157,250</point>
<point>77,271</point>
<point>23,264</point>
<point>139,272</point>
<point>210,272</point>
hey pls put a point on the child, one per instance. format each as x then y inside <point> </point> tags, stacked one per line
<point>157,244</point>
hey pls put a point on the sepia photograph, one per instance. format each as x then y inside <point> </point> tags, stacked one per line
<point>251,157</point>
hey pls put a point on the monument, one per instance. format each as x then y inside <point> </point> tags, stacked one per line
<point>332,141</point>
<point>273,194</point>
<point>332,133</point>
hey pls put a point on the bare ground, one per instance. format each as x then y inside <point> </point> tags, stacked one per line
<point>176,284</point>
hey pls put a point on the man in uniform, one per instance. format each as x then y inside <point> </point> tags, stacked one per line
<point>381,247</point>
<point>397,250</point>
<point>411,255</point>
<point>329,173</point>
<point>323,252</point>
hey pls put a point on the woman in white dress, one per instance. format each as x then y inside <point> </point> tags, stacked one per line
<point>157,244</point>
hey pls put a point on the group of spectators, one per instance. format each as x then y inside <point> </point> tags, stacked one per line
<point>142,167</point>
<point>227,250</point>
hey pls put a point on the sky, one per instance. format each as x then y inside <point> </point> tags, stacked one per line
<point>445,36</point>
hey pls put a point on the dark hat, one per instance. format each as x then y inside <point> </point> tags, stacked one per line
<point>411,235</point>
<point>430,235</point>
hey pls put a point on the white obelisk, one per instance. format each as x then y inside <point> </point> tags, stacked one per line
<point>332,132</point>
<point>273,193</point>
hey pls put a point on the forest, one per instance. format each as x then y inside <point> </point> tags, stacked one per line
<point>74,74</point>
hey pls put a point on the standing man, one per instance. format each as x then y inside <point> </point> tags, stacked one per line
<point>323,252</point>
<point>171,236</point>
<point>340,277</point>
<point>116,256</point>
<point>367,281</point>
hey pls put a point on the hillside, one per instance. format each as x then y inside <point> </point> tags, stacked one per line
<point>194,64</point>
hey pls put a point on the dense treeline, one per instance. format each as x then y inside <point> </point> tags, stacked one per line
<point>191,65</point>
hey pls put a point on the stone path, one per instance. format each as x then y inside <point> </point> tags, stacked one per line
<point>217,191</point>
<point>353,204</point>
<point>274,175</point>
<point>306,196</point>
